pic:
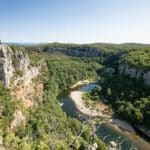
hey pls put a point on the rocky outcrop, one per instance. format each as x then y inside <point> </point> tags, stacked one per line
<point>16,64</point>
<point>22,59</point>
<point>135,73</point>
<point>6,67</point>
<point>18,119</point>
<point>93,147</point>
<point>27,76</point>
<point>109,70</point>
<point>146,77</point>
<point>76,52</point>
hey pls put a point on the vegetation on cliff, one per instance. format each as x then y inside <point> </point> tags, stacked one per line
<point>7,107</point>
<point>139,58</point>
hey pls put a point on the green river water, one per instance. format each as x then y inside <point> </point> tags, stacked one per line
<point>106,131</point>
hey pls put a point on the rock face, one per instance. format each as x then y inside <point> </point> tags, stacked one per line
<point>15,67</point>
<point>146,78</point>
<point>77,52</point>
<point>110,70</point>
<point>22,59</point>
<point>15,64</point>
<point>6,67</point>
<point>135,73</point>
<point>19,117</point>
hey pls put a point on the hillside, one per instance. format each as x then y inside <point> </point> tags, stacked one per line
<point>31,116</point>
<point>139,58</point>
<point>34,77</point>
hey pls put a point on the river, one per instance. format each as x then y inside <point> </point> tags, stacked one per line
<point>105,131</point>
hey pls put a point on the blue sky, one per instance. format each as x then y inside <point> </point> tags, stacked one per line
<point>75,21</point>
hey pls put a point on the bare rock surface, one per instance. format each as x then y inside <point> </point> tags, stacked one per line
<point>135,73</point>
<point>18,119</point>
<point>16,65</point>
<point>6,67</point>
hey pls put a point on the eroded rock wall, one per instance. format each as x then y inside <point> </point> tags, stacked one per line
<point>77,52</point>
<point>135,72</point>
<point>6,67</point>
<point>15,66</point>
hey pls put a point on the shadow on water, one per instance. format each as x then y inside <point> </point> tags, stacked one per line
<point>69,107</point>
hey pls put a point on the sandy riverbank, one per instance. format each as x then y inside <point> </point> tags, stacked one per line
<point>79,83</point>
<point>76,96</point>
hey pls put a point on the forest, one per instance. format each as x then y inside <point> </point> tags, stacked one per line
<point>128,97</point>
<point>47,126</point>
<point>139,58</point>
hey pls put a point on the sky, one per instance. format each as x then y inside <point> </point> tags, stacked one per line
<point>75,21</point>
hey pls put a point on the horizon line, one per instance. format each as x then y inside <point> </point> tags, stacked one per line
<point>77,43</point>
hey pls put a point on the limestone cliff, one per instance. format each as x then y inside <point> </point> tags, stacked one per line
<point>15,66</point>
<point>17,73</point>
<point>77,51</point>
<point>135,72</point>
<point>6,67</point>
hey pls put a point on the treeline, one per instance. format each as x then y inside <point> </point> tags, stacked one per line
<point>105,47</point>
<point>136,55</point>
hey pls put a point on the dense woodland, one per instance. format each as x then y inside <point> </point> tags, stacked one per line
<point>129,98</point>
<point>139,58</point>
<point>48,127</point>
